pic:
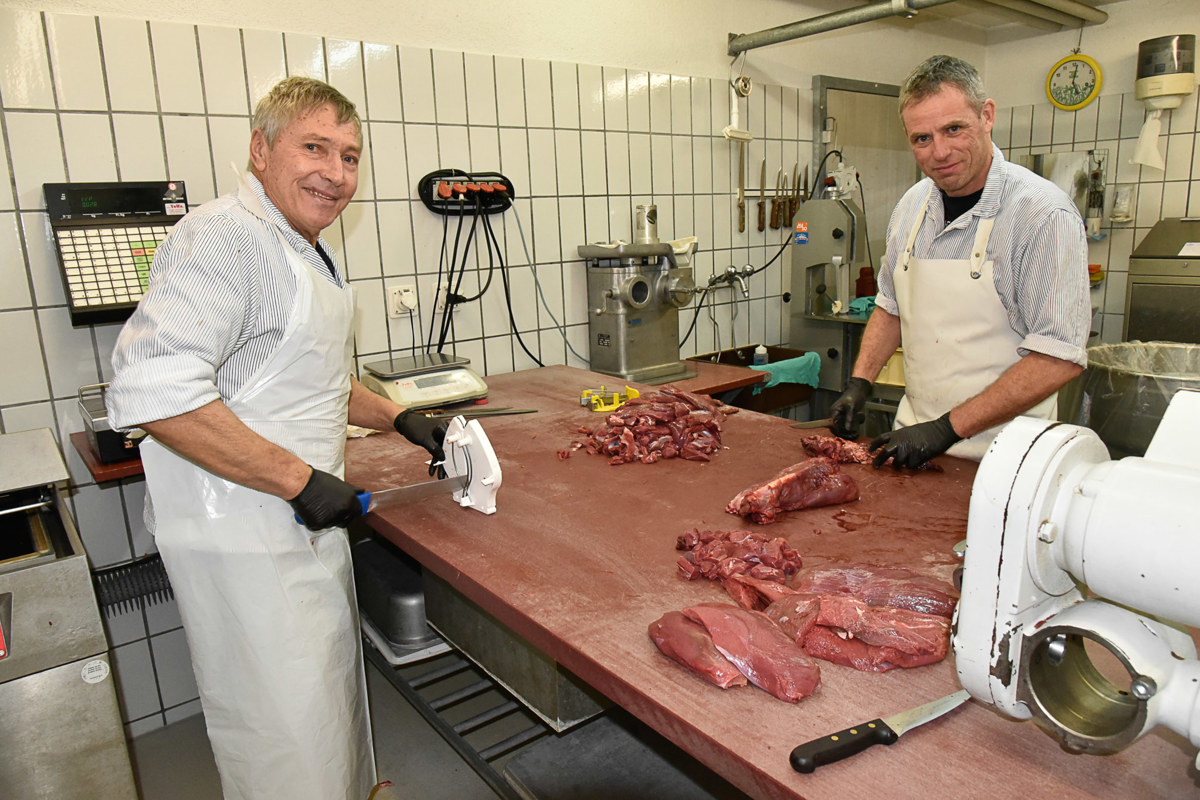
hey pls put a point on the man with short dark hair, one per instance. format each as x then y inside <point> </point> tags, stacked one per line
<point>237,363</point>
<point>984,283</point>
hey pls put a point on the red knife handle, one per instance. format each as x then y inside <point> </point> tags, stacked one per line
<point>842,744</point>
<point>762,215</point>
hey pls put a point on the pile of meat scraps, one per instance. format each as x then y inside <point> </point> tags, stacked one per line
<point>718,555</point>
<point>667,424</point>
<point>811,483</point>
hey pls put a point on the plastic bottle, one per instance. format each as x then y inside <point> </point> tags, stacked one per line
<point>865,285</point>
<point>760,356</point>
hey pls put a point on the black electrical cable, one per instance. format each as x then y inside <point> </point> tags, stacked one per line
<point>695,318</point>
<point>817,178</point>
<point>866,233</point>
<point>449,273</point>
<point>491,266</point>
<point>512,320</point>
<point>453,297</point>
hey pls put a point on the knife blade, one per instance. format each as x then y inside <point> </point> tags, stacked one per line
<point>471,413</point>
<point>370,501</point>
<point>373,501</point>
<point>741,187</point>
<point>814,423</point>
<point>810,755</point>
<point>775,210</point>
<point>794,199</point>
<point>762,197</point>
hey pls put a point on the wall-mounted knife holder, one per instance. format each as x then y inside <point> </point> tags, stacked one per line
<point>452,192</point>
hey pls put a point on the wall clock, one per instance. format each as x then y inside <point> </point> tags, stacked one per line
<point>1073,82</point>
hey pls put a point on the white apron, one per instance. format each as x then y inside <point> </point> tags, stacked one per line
<point>269,608</point>
<point>956,335</point>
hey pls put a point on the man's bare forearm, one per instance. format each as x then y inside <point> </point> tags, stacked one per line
<point>1021,387</point>
<point>879,343</point>
<point>214,438</point>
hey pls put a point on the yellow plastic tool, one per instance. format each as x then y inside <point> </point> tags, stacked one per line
<point>603,400</point>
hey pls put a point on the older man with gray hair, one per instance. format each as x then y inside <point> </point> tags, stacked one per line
<point>237,363</point>
<point>984,283</point>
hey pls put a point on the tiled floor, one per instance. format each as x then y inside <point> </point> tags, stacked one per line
<point>175,762</point>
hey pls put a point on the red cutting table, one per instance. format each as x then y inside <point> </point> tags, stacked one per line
<point>579,560</point>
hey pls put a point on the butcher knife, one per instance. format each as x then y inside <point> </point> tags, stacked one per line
<point>373,501</point>
<point>835,747</point>
<point>814,423</point>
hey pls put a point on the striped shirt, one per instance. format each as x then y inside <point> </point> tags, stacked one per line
<point>220,294</point>
<point>1038,246</point>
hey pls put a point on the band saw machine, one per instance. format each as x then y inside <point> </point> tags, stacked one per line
<point>1079,582</point>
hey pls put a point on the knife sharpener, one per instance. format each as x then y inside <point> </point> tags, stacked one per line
<point>1078,578</point>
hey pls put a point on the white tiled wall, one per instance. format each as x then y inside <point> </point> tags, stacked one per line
<point>105,99</point>
<point>1113,123</point>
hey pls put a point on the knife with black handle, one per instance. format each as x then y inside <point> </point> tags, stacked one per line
<point>828,749</point>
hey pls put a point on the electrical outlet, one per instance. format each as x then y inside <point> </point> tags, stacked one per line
<point>401,300</point>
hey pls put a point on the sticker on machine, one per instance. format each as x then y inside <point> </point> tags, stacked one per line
<point>95,671</point>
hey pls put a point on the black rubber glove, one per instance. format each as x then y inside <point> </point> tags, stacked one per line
<point>326,501</point>
<point>846,411</point>
<point>913,445</point>
<point>424,432</point>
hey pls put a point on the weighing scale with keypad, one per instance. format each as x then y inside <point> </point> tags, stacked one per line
<point>106,235</point>
<point>426,380</point>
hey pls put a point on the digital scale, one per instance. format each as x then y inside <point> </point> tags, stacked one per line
<point>426,380</point>
<point>106,235</point>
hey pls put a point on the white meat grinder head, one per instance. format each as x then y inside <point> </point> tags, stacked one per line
<point>1069,555</point>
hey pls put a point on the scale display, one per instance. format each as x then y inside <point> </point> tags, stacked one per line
<point>106,235</point>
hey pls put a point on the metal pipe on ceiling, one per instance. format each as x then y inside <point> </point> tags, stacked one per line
<point>1063,12</point>
<point>834,20</point>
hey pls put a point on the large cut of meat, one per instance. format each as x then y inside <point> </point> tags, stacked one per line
<point>687,643</point>
<point>671,423</point>
<point>836,448</point>
<point>717,555</point>
<point>761,651</point>
<point>911,632</point>
<point>795,614</point>
<point>753,593</point>
<point>828,645</point>
<point>811,483</point>
<point>881,586</point>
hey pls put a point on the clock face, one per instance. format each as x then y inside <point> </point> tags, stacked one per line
<point>1073,82</point>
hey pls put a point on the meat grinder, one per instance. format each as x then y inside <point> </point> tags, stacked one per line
<point>635,291</point>
<point>1079,580</point>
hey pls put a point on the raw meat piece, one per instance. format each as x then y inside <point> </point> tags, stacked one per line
<point>825,643</point>
<point>687,643</point>
<point>882,586</point>
<point>762,652</point>
<point>795,614</point>
<point>844,452</point>
<point>840,450</point>
<point>667,424</point>
<point>811,483</point>
<point>755,594</point>
<point>910,632</point>
<point>721,554</point>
